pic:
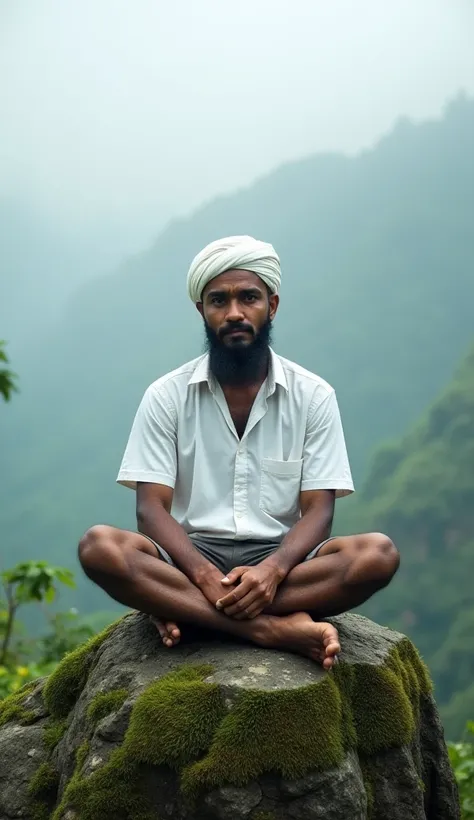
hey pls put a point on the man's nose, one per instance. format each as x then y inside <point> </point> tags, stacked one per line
<point>234,313</point>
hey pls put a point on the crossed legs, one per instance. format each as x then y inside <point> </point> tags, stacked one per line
<point>346,573</point>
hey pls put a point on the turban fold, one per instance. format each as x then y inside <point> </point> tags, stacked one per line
<point>240,252</point>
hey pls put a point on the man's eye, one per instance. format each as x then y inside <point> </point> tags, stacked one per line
<point>250,297</point>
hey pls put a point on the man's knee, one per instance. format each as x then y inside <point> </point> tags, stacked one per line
<point>381,557</point>
<point>97,548</point>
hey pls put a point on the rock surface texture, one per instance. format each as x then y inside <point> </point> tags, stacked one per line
<point>211,730</point>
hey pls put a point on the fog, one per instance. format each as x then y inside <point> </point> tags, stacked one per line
<point>117,115</point>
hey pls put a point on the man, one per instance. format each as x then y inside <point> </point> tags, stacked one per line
<point>237,458</point>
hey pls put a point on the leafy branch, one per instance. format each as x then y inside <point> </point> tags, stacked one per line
<point>25,583</point>
<point>7,377</point>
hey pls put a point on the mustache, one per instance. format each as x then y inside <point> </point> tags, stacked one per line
<point>236,326</point>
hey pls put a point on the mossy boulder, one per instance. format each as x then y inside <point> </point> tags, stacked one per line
<point>216,730</point>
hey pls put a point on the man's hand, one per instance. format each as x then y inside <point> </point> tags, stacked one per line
<point>211,585</point>
<point>256,590</point>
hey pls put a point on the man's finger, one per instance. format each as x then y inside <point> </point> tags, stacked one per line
<point>232,597</point>
<point>244,603</point>
<point>233,575</point>
<point>250,612</point>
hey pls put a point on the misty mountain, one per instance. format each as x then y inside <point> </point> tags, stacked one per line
<point>377,256</point>
<point>42,264</point>
<point>420,489</point>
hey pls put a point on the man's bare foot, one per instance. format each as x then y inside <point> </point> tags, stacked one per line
<point>299,633</point>
<point>168,630</point>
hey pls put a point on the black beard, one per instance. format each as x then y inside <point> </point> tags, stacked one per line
<point>241,364</point>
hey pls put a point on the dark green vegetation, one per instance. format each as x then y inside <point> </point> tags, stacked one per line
<point>13,707</point>
<point>43,790</point>
<point>462,760</point>
<point>7,377</point>
<point>420,489</point>
<point>65,684</point>
<point>105,703</point>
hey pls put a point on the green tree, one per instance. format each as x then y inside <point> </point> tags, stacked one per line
<point>7,378</point>
<point>462,760</point>
<point>35,582</point>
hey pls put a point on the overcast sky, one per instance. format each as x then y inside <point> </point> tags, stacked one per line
<point>128,112</point>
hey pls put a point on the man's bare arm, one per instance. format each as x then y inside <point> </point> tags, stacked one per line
<point>258,585</point>
<point>314,526</point>
<point>153,519</point>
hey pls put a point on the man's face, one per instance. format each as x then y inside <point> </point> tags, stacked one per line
<point>237,311</point>
<point>235,306</point>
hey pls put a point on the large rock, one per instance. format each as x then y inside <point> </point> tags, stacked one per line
<point>212,730</point>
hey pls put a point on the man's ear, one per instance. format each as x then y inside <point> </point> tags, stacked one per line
<point>274,301</point>
<point>200,308</point>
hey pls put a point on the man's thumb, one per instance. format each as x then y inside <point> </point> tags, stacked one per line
<point>231,576</point>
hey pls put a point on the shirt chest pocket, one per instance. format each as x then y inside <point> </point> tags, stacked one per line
<point>280,485</point>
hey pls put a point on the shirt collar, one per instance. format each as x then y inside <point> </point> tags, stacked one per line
<point>276,373</point>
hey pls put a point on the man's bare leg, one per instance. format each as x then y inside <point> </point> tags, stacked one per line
<point>125,565</point>
<point>346,572</point>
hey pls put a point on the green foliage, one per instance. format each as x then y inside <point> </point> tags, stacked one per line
<point>104,703</point>
<point>35,581</point>
<point>21,660</point>
<point>67,632</point>
<point>13,677</point>
<point>461,756</point>
<point>27,582</point>
<point>453,713</point>
<point>420,491</point>
<point>7,378</point>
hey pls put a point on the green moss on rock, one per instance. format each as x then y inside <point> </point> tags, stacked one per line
<point>368,775</point>
<point>291,732</point>
<point>12,707</point>
<point>104,703</point>
<point>53,733</point>
<point>172,722</point>
<point>43,790</point>
<point>187,711</point>
<point>182,721</point>
<point>66,682</point>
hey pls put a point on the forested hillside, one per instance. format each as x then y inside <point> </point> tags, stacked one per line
<point>377,254</point>
<point>420,490</point>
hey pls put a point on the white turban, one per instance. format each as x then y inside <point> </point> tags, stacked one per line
<point>240,252</point>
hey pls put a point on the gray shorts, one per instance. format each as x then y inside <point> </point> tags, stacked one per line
<point>226,554</point>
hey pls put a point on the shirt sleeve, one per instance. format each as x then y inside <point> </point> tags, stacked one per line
<point>150,454</point>
<point>325,459</point>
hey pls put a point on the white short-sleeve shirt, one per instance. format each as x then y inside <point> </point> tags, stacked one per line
<point>226,487</point>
